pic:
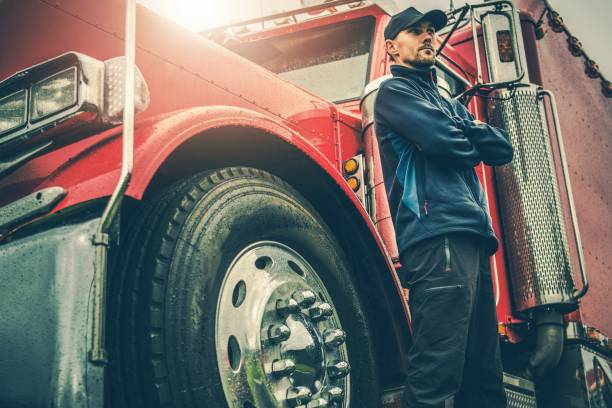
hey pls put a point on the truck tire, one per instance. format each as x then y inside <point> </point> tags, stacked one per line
<point>230,290</point>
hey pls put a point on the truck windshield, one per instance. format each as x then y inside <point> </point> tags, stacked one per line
<point>331,62</point>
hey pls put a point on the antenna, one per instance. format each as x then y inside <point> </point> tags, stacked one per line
<point>452,5</point>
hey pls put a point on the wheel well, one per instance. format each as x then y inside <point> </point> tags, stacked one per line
<point>240,146</point>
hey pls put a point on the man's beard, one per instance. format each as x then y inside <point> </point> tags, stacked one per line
<point>425,57</point>
<point>422,63</point>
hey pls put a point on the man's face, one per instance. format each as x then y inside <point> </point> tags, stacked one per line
<point>414,46</point>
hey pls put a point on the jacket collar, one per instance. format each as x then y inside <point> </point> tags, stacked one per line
<point>426,76</point>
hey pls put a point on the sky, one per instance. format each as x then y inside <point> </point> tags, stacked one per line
<point>589,20</point>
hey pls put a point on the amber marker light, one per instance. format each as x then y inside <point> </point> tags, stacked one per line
<point>353,183</point>
<point>351,166</point>
<point>594,335</point>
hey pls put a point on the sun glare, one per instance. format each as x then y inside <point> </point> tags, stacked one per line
<point>197,14</point>
<point>194,14</point>
<point>201,14</point>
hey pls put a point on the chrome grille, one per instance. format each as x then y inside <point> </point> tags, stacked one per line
<point>520,393</point>
<point>520,400</point>
<point>534,230</point>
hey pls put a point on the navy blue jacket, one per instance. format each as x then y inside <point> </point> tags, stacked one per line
<point>429,146</point>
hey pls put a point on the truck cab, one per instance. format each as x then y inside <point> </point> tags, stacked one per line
<point>234,246</point>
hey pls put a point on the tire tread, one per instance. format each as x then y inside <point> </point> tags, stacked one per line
<point>140,285</point>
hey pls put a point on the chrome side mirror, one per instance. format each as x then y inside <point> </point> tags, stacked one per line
<point>503,47</point>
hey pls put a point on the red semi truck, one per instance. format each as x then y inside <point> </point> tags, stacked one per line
<point>232,245</point>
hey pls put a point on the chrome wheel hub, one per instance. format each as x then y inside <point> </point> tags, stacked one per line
<point>305,348</point>
<point>278,337</point>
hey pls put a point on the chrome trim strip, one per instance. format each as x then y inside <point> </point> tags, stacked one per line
<point>575,331</point>
<point>570,195</point>
<point>38,203</point>
<point>523,383</point>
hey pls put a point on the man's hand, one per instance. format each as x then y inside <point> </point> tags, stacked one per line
<point>492,143</point>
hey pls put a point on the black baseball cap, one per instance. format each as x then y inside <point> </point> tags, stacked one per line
<point>412,16</point>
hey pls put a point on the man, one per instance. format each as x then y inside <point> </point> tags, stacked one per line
<point>429,146</point>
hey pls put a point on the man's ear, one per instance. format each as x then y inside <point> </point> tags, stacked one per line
<point>391,48</point>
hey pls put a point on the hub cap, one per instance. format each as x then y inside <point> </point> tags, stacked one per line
<point>278,337</point>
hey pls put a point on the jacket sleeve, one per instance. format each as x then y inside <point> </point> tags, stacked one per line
<point>418,121</point>
<point>492,143</point>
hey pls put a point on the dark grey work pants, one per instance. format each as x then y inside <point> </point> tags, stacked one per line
<point>454,360</point>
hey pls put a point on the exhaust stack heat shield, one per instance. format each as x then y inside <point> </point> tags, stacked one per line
<point>534,229</point>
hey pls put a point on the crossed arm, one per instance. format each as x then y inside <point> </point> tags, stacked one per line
<point>461,142</point>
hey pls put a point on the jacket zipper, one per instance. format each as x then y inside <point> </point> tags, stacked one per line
<point>484,213</point>
<point>447,263</point>
<point>469,188</point>
<point>443,287</point>
<point>422,189</point>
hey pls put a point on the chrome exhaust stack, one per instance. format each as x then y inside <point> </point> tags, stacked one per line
<point>534,227</point>
<point>100,239</point>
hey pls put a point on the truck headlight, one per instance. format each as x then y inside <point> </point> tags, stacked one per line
<point>13,111</point>
<point>54,94</point>
<point>63,99</point>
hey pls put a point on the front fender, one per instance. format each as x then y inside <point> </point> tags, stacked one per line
<point>93,170</point>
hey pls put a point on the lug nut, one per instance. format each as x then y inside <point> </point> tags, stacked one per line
<point>317,403</point>
<point>282,368</point>
<point>278,333</point>
<point>338,370</point>
<point>333,337</point>
<point>286,307</point>
<point>335,394</point>
<point>298,396</point>
<point>320,312</point>
<point>304,298</point>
